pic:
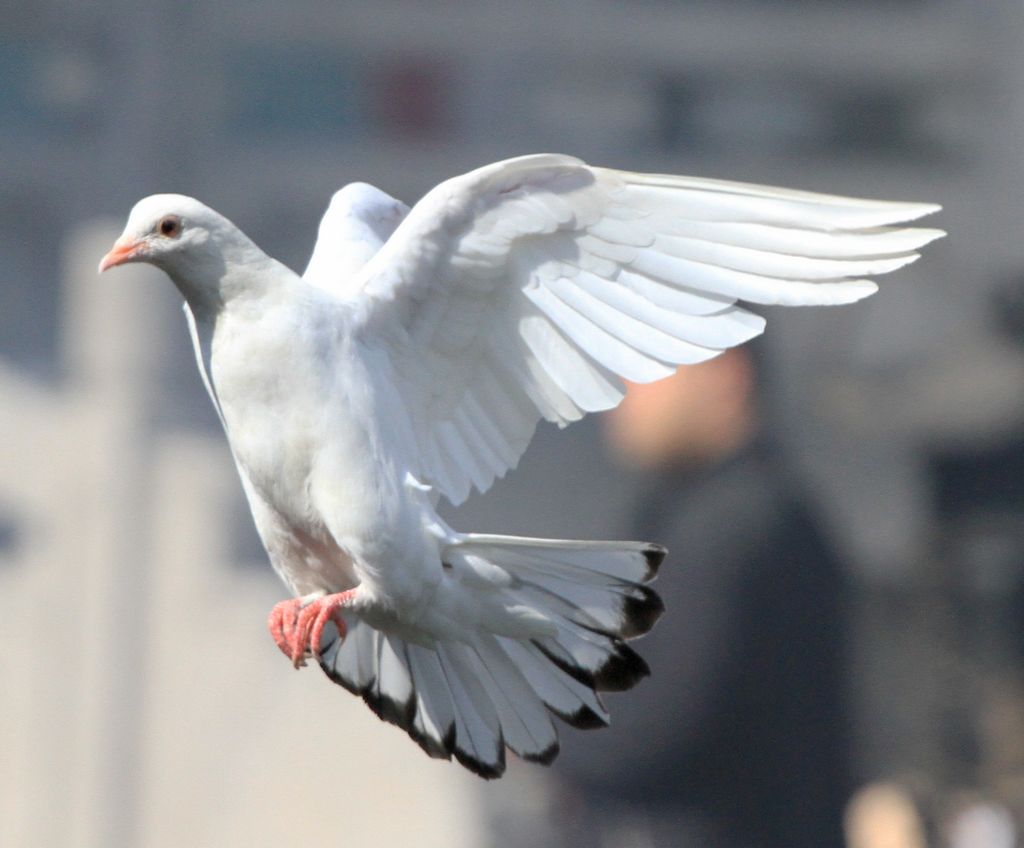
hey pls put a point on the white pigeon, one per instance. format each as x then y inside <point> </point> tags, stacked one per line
<point>413,360</point>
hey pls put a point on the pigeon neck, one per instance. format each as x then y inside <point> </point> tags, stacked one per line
<point>240,271</point>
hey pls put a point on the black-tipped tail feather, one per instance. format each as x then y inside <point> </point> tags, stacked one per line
<point>473,698</point>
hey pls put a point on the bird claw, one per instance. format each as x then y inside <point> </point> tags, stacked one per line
<point>297,625</point>
<point>281,624</point>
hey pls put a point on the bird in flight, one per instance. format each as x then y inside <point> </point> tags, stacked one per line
<point>413,360</point>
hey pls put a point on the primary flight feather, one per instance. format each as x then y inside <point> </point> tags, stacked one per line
<point>413,361</point>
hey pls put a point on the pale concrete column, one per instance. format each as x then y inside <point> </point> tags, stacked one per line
<point>112,329</point>
<point>72,604</point>
<point>35,662</point>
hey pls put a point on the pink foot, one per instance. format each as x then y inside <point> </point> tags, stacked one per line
<point>297,625</point>
<point>281,624</point>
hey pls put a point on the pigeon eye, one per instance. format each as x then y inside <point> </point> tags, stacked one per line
<point>169,226</point>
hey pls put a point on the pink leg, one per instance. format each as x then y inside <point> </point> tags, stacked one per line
<point>313,618</point>
<point>281,623</point>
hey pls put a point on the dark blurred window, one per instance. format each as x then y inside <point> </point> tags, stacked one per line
<point>792,115</point>
<point>9,536</point>
<point>412,97</point>
<point>46,90</point>
<point>30,294</point>
<point>676,123</point>
<point>871,119</point>
<point>298,92</point>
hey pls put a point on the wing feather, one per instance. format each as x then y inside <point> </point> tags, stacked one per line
<point>775,264</point>
<point>616,355</point>
<point>358,221</point>
<point>524,366</point>
<point>643,337</point>
<point>705,335</point>
<point>583,381</point>
<point>526,290</point>
<point>878,241</point>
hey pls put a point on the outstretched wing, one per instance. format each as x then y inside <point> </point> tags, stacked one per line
<point>359,220</point>
<point>525,290</point>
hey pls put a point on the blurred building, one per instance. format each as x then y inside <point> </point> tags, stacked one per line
<point>263,109</point>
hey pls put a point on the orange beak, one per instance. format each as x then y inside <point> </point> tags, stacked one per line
<point>124,250</point>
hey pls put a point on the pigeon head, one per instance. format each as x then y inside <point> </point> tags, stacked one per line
<point>195,246</point>
<point>167,230</point>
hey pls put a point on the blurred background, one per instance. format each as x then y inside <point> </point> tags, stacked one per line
<point>842,662</point>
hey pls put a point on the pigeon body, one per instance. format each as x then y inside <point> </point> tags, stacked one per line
<point>413,360</point>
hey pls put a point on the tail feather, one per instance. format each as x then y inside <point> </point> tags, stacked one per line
<point>480,745</point>
<point>433,727</point>
<point>391,694</point>
<point>525,722</point>
<point>636,561</point>
<point>630,609</point>
<point>573,702</point>
<point>604,663</point>
<point>353,660</point>
<point>549,623</point>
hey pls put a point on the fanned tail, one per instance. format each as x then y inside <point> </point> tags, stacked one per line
<point>550,621</point>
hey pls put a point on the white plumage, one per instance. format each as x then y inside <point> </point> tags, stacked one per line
<point>413,360</point>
